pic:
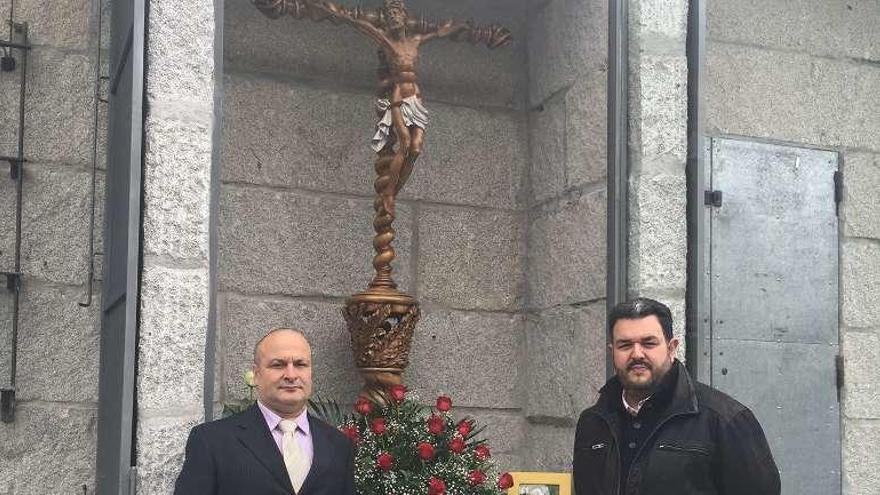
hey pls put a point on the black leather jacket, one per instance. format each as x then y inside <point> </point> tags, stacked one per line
<point>704,443</point>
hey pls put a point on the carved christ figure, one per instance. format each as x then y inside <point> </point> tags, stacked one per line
<point>402,117</point>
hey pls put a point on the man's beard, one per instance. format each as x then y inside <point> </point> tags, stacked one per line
<point>656,376</point>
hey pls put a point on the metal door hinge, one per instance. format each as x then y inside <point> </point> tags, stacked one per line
<point>838,189</point>
<point>712,198</point>
<point>838,366</point>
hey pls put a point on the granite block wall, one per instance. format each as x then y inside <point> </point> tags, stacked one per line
<point>658,151</point>
<point>806,72</point>
<point>54,432</point>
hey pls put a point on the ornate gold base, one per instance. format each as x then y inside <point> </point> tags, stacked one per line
<point>381,322</point>
<point>377,381</point>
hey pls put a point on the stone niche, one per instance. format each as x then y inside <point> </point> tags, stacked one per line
<point>500,230</point>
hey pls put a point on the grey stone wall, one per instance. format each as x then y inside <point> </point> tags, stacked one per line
<point>50,447</point>
<point>500,231</point>
<point>565,215</point>
<point>807,72</point>
<point>174,286</point>
<point>658,151</point>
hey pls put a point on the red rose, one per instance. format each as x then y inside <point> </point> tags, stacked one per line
<point>435,424</point>
<point>378,426</point>
<point>384,461</point>
<point>351,432</point>
<point>363,406</point>
<point>426,451</point>
<point>482,452</point>
<point>436,486</point>
<point>505,481</point>
<point>464,428</point>
<point>476,477</point>
<point>444,403</point>
<point>456,445</point>
<point>397,392</point>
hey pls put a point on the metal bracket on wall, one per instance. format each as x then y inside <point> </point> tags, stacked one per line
<point>713,198</point>
<point>7,405</point>
<point>13,278</point>
<point>15,165</point>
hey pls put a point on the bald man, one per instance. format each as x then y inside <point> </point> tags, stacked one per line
<point>275,447</point>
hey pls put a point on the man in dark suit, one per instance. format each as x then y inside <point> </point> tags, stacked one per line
<point>275,446</point>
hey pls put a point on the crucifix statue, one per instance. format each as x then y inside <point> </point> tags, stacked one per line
<point>382,319</point>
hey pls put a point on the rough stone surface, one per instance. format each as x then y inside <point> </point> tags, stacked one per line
<point>160,449</point>
<point>861,204</point>
<point>472,357</point>
<point>791,97</point>
<point>566,360</point>
<point>9,94</point>
<point>6,338</point>
<point>58,106</point>
<point>246,319</point>
<point>180,50</point>
<point>51,325</point>
<point>7,225</point>
<point>658,120</point>
<point>845,29</point>
<point>53,449</point>
<point>177,181</point>
<point>470,258</point>
<point>860,271</point>
<point>174,319</point>
<point>861,351</point>
<point>661,19</point>
<point>586,124</point>
<point>567,38</point>
<point>282,242</point>
<point>275,135</point>
<point>547,134</point>
<point>548,448</point>
<point>336,55</point>
<point>281,134</point>
<point>566,256</point>
<point>55,224</point>
<point>861,464</point>
<point>658,233</point>
<point>471,156</point>
<point>62,24</point>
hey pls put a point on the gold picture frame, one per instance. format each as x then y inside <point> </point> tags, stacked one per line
<point>540,483</point>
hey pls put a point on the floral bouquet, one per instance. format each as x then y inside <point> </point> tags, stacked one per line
<point>404,448</point>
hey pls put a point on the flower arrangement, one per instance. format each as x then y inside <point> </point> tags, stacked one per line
<point>405,448</point>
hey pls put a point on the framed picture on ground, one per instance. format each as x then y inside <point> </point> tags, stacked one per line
<point>538,483</point>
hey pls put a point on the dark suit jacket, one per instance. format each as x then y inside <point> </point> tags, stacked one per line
<point>237,456</point>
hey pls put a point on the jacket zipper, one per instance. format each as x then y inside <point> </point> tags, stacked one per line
<point>676,448</point>
<point>617,443</point>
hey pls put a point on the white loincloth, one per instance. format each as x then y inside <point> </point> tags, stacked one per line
<point>413,112</point>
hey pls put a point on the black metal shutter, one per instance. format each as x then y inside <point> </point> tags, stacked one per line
<point>122,235</point>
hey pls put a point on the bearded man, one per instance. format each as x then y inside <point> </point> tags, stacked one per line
<point>655,431</point>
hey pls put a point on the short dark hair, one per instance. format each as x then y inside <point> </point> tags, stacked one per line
<point>641,307</point>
